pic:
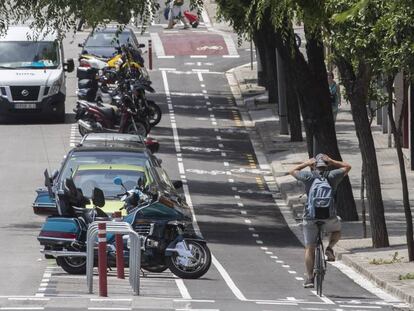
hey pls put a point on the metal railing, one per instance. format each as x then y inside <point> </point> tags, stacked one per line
<point>134,252</point>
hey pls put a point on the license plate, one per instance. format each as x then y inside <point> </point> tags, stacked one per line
<point>25,106</point>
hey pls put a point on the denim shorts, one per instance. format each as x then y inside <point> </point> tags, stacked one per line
<point>310,229</point>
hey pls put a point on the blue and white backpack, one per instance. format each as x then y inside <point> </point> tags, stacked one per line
<point>320,198</point>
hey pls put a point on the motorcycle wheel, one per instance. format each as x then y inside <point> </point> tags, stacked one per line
<point>154,115</point>
<point>198,267</point>
<point>141,129</point>
<point>156,269</point>
<point>72,265</point>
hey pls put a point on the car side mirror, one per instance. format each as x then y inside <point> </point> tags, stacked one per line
<point>98,197</point>
<point>69,65</point>
<point>178,184</point>
<point>48,183</point>
<point>55,174</point>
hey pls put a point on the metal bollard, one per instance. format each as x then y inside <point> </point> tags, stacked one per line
<point>102,260</point>
<point>150,54</point>
<point>119,243</point>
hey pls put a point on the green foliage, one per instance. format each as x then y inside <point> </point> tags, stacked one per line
<point>408,276</point>
<point>381,261</point>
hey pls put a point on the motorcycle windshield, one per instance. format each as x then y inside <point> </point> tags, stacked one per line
<point>159,211</point>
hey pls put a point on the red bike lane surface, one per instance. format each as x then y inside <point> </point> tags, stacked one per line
<point>193,43</point>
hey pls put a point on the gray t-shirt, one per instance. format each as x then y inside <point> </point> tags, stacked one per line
<point>334,178</point>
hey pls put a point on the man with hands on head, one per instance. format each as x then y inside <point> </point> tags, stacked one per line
<point>319,170</point>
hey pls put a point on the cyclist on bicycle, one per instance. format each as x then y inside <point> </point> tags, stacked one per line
<point>319,169</point>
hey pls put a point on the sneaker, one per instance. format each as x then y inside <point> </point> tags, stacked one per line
<point>330,256</point>
<point>309,283</point>
<point>186,26</point>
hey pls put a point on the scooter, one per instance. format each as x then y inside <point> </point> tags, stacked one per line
<point>165,244</point>
<point>102,118</point>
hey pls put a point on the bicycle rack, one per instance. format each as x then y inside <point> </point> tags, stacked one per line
<point>134,252</point>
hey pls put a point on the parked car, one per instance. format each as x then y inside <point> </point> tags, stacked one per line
<point>32,73</point>
<point>88,155</point>
<point>115,139</point>
<point>103,42</point>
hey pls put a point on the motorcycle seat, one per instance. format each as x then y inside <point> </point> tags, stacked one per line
<point>108,111</point>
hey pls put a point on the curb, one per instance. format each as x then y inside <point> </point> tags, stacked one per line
<point>395,291</point>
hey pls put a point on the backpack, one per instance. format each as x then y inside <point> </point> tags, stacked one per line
<point>320,199</point>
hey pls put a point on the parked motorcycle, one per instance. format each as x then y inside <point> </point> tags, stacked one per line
<point>165,242</point>
<point>101,118</point>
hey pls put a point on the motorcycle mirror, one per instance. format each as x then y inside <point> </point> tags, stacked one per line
<point>177,184</point>
<point>48,183</point>
<point>81,45</point>
<point>140,182</point>
<point>98,197</point>
<point>118,181</point>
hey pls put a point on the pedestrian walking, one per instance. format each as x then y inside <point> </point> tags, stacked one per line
<point>320,186</point>
<point>176,12</point>
<point>335,94</point>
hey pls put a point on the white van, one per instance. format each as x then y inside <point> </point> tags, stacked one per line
<point>32,74</point>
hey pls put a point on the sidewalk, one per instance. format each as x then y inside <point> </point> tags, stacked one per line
<point>353,250</point>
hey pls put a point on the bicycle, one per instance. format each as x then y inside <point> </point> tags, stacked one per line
<point>319,269</point>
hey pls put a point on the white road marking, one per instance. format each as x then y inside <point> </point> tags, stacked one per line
<point>269,253</point>
<point>364,282</point>
<point>231,180</point>
<point>361,307</point>
<point>198,56</point>
<point>203,85</point>
<point>240,204</point>
<point>255,235</point>
<point>231,56</point>
<point>187,94</point>
<point>247,221</point>
<point>200,76</point>
<point>279,261</point>
<point>323,298</point>
<point>226,163</point>
<point>236,291</point>
<point>252,229</point>
<point>208,103</point>
<point>110,299</point>
<point>28,299</point>
<point>259,242</point>
<point>264,248</point>
<point>110,308</point>
<point>285,266</point>
<point>22,308</point>
<point>223,154</point>
<point>166,69</point>
<point>231,47</point>
<point>243,212</point>
<point>166,56</point>
<point>194,300</point>
<point>292,272</point>
<point>221,145</point>
<point>158,46</point>
<point>183,289</point>
<point>201,70</point>
<point>218,137</point>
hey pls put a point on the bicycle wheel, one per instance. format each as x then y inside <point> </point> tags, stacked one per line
<point>319,269</point>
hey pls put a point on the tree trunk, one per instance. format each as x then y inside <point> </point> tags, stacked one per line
<point>266,34</point>
<point>260,44</point>
<point>357,90</point>
<point>363,208</point>
<point>295,124</point>
<point>312,85</point>
<point>396,130</point>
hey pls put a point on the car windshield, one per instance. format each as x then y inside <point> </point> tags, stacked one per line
<point>88,179</point>
<point>100,157</point>
<point>107,39</point>
<point>29,54</point>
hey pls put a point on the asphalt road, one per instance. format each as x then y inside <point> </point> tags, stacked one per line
<point>258,261</point>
